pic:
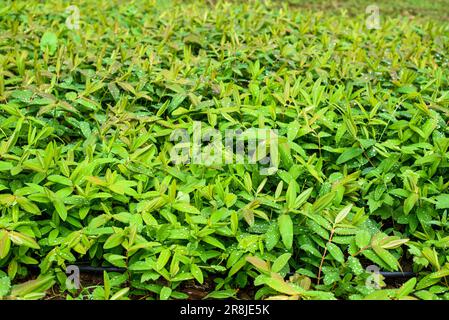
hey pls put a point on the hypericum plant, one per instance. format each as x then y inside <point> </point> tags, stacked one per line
<point>87,177</point>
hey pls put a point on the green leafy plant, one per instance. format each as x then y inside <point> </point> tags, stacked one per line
<point>87,118</point>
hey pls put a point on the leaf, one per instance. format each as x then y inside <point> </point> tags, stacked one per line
<point>349,154</point>
<point>323,202</point>
<point>426,281</point>
<point>237,266</point>
<point>41,284</point>
<point>444,272</point>
<point>259,263</point>
<point>5,286</point>
<point>230,199</point>
<point>355,265</point>
<point>343,213</point>
<point>185,207</point>
<point>163,258</point>
<point>234,222</point>
<point>387,257</point>
<point>409,203</point>
<point>292,130</point>
<point>7,199</point>
<point>60,208</point>
<point>303,197</point>
<point>143,245</point>
<point>335,252</point>
<point>99,221</point>
<point>27,205</point>
<point>280,262</point>
<point>385,294</point>
<point>140,266</point>
<point>272,236</point>
<point>248,215</point>
<point>214,242</point>
<point>114,240</point>
<point>119,294</point>
<point>318,229</point>
<point>362,238</point>
<point>116,260</point>
<point>291,196</point>
<point>165,293</point>
<point>5,166</point>
<point>197,273</point>
<point>431,255</point>
<point>286,230</point>
<point>60,179</point>
<point>122,187</point>
<point>5,243</point>
<point>176,101</point>
<point>407,89</point>
<point>442,201</point>
<point>107,285</point>
<point>406,288</point>
<point>280,286</point>
<point>221,294</point>
<point>22,240</point>
<point>394,243</point>
<point>126,86</point>
<point>49,40</point>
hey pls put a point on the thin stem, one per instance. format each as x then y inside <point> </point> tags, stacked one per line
<point>358,252</point>
<point>324,255</point>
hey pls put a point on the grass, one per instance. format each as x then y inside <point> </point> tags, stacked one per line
<point>90,122</point>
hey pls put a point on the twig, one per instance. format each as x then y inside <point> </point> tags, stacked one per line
<point>324,255</point>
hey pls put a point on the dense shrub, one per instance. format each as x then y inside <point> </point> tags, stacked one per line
<point>86,178</point>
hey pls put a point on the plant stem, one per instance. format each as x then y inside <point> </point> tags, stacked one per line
<point>324,255</point>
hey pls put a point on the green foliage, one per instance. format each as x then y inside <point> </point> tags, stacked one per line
<point>85,173</point>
